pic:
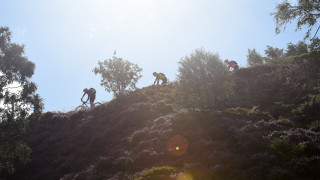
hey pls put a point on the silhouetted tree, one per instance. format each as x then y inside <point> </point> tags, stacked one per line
<point>203,80</point>
<point>254,58</point>
<point>16,102</point>
<point>118,75</point>
<point>315,44</point>
<point>273,53</point>
<point>296,49</point>
<point>306,12</point>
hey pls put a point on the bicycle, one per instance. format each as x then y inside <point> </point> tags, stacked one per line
<point>84,106</point>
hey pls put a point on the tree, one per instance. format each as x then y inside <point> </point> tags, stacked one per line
<point>273,54</point>
<point>254,58</point>
<point>315,44</point>
<point>16,102</point>
<point>118,75</point>
<point>305,12</point>
<point>296,49</point>
<point>204,82</point>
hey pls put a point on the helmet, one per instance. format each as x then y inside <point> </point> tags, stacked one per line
<point>155,74</point>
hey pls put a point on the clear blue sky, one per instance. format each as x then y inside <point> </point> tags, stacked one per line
<point>66,38</point>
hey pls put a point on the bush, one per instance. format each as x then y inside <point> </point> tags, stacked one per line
<point>282,109</point>
<point>285,122</point>
<point>163,108</point>
<point>308,110</point>
<point>285,150</point>
<point>204,82</point>
<point>315,126</point>
<point>246,114</point>
<point>158,173</point>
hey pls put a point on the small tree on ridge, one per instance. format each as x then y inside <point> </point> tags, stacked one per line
<point>254,58</point>
<point>204,82</point>
<point>118,75</point>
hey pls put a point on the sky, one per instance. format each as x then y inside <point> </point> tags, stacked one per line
<point>66,38</point>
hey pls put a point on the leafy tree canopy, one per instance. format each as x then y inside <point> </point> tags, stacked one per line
<point>17,99</point>
<point>204,82</point>
<point>297,49</point>
<point>118,75</point>
<point>273,53</point>
<point>305,12</point>
<point>315,44</point>
<point>254,58</point>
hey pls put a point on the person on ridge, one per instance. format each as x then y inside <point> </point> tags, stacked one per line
<point>232,64</point>
<point>160,76</point>
<point>91,96</point>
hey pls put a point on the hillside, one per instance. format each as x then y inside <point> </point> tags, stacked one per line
<point>269,129</point>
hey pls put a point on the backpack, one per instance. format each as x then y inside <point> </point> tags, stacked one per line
<point>161,76</point>
<point>92,91</point>
<point>234,62</point>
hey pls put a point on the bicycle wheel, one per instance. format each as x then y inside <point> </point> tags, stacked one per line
<point>97,104</point>
<point>81,108</point>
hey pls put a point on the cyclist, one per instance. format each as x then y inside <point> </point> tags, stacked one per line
<point>160,76</point>
<point>91,96</point>
<point>232,64</point>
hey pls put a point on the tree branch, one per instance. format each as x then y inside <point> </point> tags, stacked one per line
<point>315,33</point>
<point>12,87</point>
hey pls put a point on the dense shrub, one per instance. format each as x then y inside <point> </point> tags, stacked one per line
<point>293,143</point>
<point>246,114</point>
<point>204,82</point>
<point>307,111</point>
<point>158,173</point>
<point>255,137</point>
<point>283,88</point>
<point>285,149</point>
<point>315,126</point>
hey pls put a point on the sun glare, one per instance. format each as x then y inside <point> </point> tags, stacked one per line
<point>124,15</point>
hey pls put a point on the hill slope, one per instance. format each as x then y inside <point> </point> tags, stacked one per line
<point>129,135</point>
<point>267,129</point>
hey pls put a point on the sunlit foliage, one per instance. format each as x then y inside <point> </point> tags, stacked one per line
<point>305,12</point>
<point>254,58</point>
<point>118,75</point>
<point>204,82</point>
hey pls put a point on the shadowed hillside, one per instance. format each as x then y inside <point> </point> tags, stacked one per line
<point>267,130</point>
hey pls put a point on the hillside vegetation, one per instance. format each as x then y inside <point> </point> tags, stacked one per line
<point>267,127</point>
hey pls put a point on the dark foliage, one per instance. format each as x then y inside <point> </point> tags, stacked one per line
<point>267,129</point>
<point>128,136</point>
<point>204,82</point>
<point>306,14</point>
<point>17,99</point>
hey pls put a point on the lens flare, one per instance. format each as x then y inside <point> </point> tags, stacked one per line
<point>185,176</point>
<point>177,145</point>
